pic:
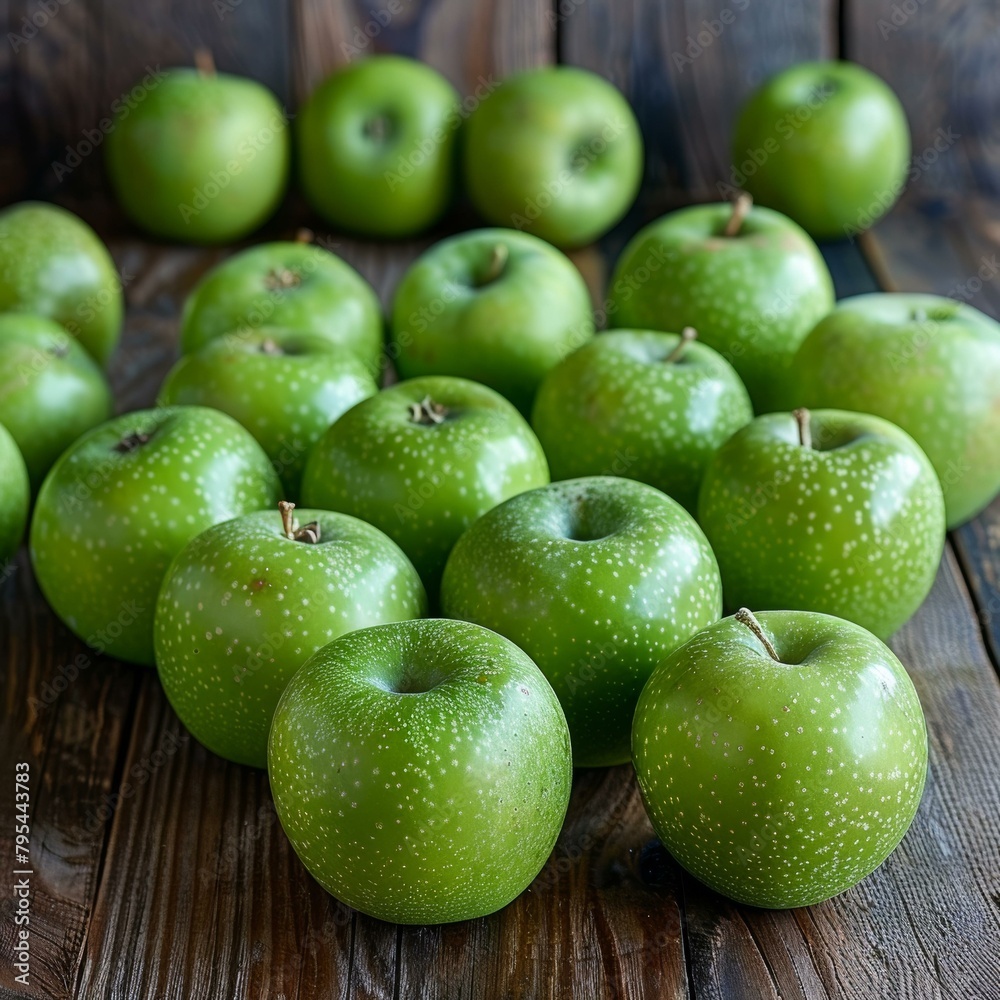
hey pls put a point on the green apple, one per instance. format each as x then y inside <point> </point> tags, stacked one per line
<point>422,460</point>
<point>493,305</point>
<point>51,390</point>
<point>750,281</point>
<point>421,770</point>
<point>376,146</point>
<point>929,364</point>
<point>597,580</point>
<point>830,511</point>
<point>203,158</point>
<point>781,760</point>
<point>15,496</point>
<point>292,284</point>
<point>556,151</point>
<point>643,404</point>
<point>285,387</point>
<point>826,143</point>
<point>123,501</point>
<point>247,602</point>
<point>52,264</point>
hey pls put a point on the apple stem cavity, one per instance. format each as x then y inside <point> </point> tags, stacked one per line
<point>741,208</point>
<point>495,265</point>
<point>377,128</point>
<point>428,412</point>
<point>309,533</point>
<point>132,441</point>
<point>204,62</point>
<point>746,617</point>
<point>688,334</point>
<point>804,422</point>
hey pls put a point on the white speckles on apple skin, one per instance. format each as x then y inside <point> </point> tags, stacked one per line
<point>854,530</point>
<point>421,770</point>
<point>597,579</point>
<point>781,784</point>
<point>107,522</point>
<point>423,485</point>
<point>242,607</point>
<point>616,406</point>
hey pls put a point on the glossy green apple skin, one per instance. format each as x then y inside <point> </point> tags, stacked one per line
<point>834,143</point>
<point>283,386</point>
<point>52,264</point>
<point>597,580</point>
<point>455,813</point>
<point>424,484</point>
<point>555,151</point>
<point>852,527</point>
<point>242,607</point>
<point>453,315</point>
<point>752,297</point>
<point>930,365</point>
<point>376,146</point>
<point>781,784</point>
<point>294,285</point>
<point>15,496</point>
<point>51,390</point>
<point>110,516</point>
<point>617,406</point>
<point>203,158</point>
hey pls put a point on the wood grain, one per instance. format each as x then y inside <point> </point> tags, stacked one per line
<point>686,65</point>
<point>66,713</point>
<point>942,57</point>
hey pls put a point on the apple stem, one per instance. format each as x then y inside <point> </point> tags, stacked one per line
<point>746,617</point>
<point>741,207</point>
<point>304,235</point>
<point>204,62</point>
<point>495,265</point>
<point>307,533</point>
<point>131,441</point>
<point>688,334</point>
<point>805,427</point>
<point>270,346</point>
<point>427,411</point>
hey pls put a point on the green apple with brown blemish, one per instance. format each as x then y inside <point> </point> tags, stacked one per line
<point>247,602</point>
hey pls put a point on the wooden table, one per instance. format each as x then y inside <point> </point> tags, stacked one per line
<point>161,871</point>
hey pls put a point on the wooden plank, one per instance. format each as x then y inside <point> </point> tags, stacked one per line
<point>247,37</point>
<point>13,168</point>
<point>66,714</point>
<point>472,42</point>
<point>943,60</point>
<point>686,67</point>
<point>55,95</point>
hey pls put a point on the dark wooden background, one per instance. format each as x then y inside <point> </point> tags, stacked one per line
<point>161,871</point>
